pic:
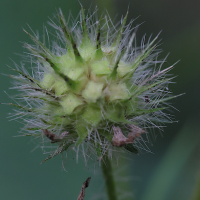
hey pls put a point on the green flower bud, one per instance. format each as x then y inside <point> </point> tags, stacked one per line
<point>93,89</point>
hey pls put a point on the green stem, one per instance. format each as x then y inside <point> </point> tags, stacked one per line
<point>107,170</point>
<point>196,194</point>
<point>108,4</point>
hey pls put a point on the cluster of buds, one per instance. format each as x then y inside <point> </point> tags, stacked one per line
<point>93,90</point>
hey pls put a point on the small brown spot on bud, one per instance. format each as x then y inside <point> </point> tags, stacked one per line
<point>53,137</point>
<point>146,98</point>
<point>120,140</point>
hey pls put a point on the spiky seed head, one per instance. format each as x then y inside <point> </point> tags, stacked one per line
<point>94,89</point>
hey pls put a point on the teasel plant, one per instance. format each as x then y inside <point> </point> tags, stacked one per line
<point>93,91</point>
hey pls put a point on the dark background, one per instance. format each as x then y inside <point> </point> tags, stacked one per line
<point>171,170</point>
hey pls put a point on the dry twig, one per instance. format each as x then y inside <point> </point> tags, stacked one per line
<point>85,185</point>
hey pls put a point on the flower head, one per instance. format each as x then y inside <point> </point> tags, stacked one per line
<point>93,89</point>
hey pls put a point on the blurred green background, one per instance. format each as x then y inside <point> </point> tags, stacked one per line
<point>171,171</point>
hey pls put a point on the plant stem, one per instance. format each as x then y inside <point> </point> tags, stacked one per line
<point>107,170</point>
<point>196,193</point>
<point>108,4</point>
